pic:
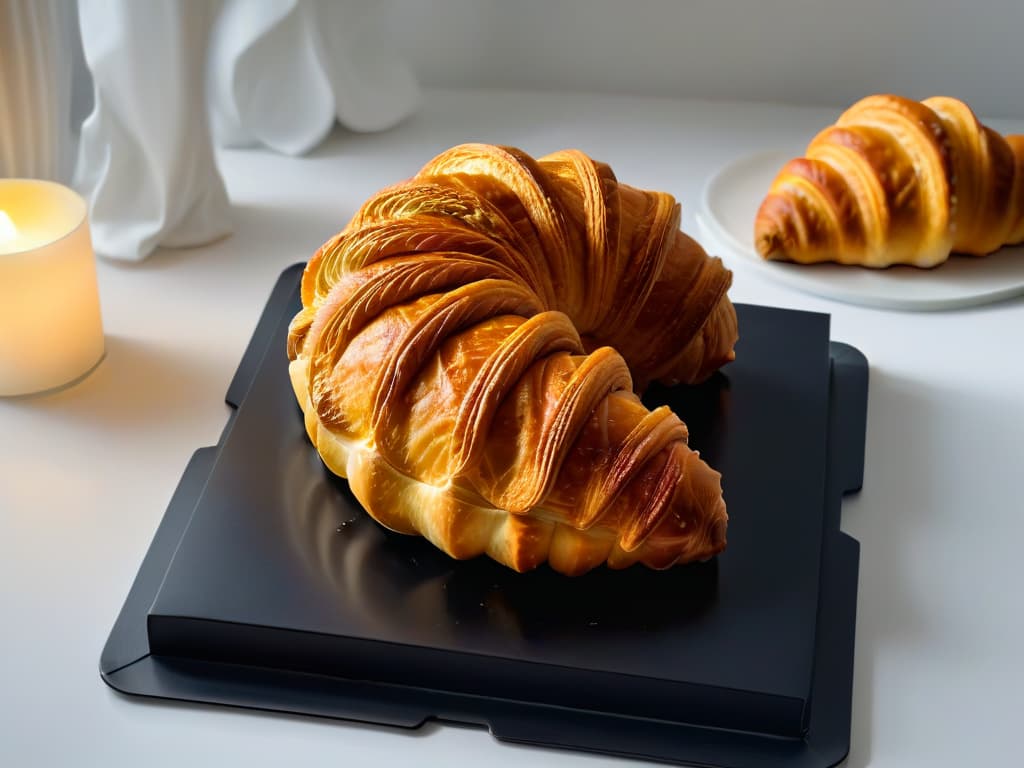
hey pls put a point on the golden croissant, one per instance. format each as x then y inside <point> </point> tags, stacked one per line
<point>468,354</point>
<point>896,181</point>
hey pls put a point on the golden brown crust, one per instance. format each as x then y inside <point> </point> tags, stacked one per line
<point>469,351</point>
<point>896,181</point>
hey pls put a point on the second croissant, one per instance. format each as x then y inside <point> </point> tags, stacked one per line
<point>896,181</point>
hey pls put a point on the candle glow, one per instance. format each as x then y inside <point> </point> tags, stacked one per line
<point>8,232</point>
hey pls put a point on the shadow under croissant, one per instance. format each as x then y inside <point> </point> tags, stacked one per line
<point>394,580</point>
<point>704,408</point>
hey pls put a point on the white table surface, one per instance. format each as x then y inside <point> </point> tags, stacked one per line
<point>85,474</point>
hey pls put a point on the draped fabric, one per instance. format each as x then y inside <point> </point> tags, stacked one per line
<point>172,78</point>
<point>261,52</point>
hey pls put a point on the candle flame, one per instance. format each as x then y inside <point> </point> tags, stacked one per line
<point>8,231</point>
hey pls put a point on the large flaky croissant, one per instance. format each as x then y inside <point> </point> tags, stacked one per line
<point>467,353</point>
<point>896,181</point>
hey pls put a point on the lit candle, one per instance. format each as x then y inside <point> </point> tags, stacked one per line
<point>51,332</point>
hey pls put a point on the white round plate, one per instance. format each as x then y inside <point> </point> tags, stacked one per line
<point>729,205</point>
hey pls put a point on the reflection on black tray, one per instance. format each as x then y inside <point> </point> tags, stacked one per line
<point>395,579</point>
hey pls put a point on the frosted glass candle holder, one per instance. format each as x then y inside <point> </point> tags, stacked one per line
<point>51,330</point>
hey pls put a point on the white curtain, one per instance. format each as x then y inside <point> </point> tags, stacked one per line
<point>173,77</point>
<point>36,37</point>
<point>283,71</point>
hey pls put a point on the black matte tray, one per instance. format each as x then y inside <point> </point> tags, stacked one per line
<point>267,586</point>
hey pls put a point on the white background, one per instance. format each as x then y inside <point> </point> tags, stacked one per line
<point>794,51</point>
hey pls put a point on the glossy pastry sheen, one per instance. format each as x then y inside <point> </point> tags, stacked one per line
<point>468,352</point>
<point>897,181</point>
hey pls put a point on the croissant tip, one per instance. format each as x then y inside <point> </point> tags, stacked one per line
<point>770,246</point>
<point>719,534</point>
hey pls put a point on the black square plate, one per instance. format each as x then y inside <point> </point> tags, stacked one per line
<point>267,586</point>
